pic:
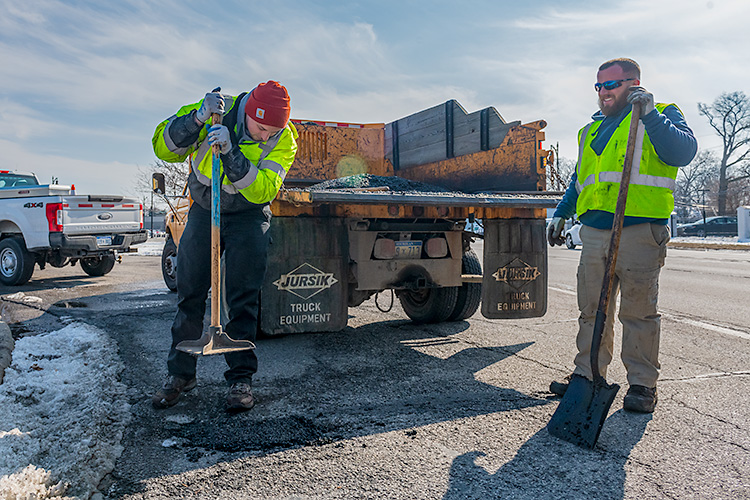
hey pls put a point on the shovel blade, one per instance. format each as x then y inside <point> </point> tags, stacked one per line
<point>581,414</point>
<point>214,341</point>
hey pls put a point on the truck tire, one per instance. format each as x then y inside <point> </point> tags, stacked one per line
<point>16,263</point>
<point>169,264</point>
<point>469,294</point>
<point>98,266</point>
<point>429,305</point>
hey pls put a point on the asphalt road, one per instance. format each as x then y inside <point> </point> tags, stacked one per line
<point>388,409</point>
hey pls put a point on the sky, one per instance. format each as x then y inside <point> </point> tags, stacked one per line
<point>85,83</point>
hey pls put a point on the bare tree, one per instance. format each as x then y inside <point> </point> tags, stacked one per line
<point>693,184</point>
<point>729,115</point>
<point>175,177</point>
<point>559,171</point>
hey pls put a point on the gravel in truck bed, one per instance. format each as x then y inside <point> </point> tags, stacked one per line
<point>379,187</point>
<point>364,181</point>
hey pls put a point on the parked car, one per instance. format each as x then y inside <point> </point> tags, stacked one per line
<point>714,226</point>
<point>572,236</point>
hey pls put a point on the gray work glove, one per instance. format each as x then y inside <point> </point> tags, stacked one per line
<point>643,98</point>
<point>218,135</point>
<point>212,103</point>
<point>554,231</point>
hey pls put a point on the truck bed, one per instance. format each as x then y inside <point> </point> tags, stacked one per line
<point>382,202</point>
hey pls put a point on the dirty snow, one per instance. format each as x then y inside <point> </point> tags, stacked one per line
<point>150,247</point>
<point>62,414</point>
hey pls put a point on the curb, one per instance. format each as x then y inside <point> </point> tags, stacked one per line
<point>6,348</point>
<point>708,245</point>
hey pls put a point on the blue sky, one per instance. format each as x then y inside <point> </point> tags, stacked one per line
<point>84,83</point>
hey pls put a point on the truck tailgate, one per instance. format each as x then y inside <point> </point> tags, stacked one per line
<point>100,215</point>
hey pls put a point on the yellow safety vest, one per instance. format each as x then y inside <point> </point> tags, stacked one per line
<point>271,159</point>
<point>652,182</point>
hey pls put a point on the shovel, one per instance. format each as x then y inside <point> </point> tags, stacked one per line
<point>581,414</point>
<point>215,340</point>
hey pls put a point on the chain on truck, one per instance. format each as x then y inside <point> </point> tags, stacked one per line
<point>372,207</point>
<point>51,224</point>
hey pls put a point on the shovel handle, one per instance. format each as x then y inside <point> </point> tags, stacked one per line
<point>614,243</point>
<point>216,231</point>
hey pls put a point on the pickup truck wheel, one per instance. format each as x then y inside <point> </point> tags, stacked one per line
<point>16,263</point>
<point>569,242</point>
<point>98,266</point>
<point>469,294</point>
<point>169,264</point>
<point>429,305</point>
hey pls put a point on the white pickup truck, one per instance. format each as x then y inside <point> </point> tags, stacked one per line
<point>50,224</point>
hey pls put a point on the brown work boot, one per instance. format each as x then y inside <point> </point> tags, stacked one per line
<point>169,395</point>
<point>640,399</point>
<point>240,397</point>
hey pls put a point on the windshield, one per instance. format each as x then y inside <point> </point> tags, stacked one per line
<point>8,179</point>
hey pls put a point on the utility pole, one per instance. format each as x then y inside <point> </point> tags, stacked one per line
<point>704,207</point>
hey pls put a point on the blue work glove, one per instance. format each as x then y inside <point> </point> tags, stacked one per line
<point>643,98</point>
<point>218,135</point>
<point>554,231</point>
<point>212,103</point>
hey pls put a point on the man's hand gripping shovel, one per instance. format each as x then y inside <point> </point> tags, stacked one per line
<point>215,340</point>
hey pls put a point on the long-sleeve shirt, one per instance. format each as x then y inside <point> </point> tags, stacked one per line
<point>673,141</point>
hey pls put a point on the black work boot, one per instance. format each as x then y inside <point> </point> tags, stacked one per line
<point>640,399</point>
<point>169,395</point>
<point>560,387</point>
<point>240,397</point>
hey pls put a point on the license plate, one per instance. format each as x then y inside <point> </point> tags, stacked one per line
<point>103,241</point>
<point>408,249</point>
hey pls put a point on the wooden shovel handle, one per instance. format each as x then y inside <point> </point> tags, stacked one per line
<point>614,243</point>
<point>215,233</point>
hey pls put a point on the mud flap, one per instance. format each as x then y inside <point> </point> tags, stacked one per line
<point>515,269</point>
<point>306,284</point>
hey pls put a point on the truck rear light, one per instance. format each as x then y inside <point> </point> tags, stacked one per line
<point>436,248</point>
<point>140,209</point>
<point>385,248</point>
<point>54,212</point>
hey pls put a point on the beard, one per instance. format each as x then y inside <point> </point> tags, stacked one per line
<point>613,107</point>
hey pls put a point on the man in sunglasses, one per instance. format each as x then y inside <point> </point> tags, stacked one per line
<point>665,142</point>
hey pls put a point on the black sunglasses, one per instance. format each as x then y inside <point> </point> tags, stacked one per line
<point>611,84</point>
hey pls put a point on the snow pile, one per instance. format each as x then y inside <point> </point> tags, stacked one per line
<point>62,414</point>
<point>150,247</point>
<point>31,483</point>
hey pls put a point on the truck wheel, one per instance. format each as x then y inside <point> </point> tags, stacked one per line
<point>469,294</point>
<point>16,263</point>
<point>169,264</point>
<point>429,305</point>
<point>98,266</point>
<point>569,242</point>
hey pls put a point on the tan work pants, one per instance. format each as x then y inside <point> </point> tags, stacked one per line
<point>643,248</point>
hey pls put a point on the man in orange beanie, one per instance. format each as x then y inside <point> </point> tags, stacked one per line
<point>258,145</point>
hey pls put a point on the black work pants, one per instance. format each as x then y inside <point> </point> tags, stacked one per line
<point>244,242</point>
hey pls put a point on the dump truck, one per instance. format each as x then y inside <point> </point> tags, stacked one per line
<point>368,208</point>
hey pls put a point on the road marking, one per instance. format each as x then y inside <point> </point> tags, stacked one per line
<point>708,326</point>
<point>680,319</point>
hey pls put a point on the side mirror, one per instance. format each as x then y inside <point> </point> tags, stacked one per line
<point>158,184</point>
